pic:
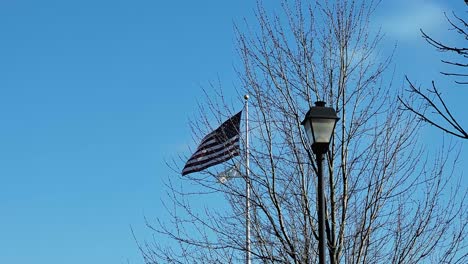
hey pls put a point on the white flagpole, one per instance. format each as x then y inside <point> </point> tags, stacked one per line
<point>247,183</point>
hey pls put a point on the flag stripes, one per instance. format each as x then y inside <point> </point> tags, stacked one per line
<point>220,145</point>
<point>213,152</point>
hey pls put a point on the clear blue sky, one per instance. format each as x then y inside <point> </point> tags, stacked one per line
<point>95,97</point>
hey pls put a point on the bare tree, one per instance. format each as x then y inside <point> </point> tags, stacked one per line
<point>443,118</point>
<point>388,200</point>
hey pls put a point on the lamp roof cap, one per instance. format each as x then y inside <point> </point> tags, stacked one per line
<point>320,111</point>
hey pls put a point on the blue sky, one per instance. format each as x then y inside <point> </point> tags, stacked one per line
<point>95,96</point>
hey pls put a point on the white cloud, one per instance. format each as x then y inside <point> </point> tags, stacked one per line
<point>404,20</point>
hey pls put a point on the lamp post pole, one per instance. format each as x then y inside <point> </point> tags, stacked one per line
<point>319,125</point>
<point>321,208</point>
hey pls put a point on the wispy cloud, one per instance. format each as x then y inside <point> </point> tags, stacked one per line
<point>404,19</point>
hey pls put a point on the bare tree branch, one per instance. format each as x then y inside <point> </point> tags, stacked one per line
<point>388,200</point>
<point>448,124</point>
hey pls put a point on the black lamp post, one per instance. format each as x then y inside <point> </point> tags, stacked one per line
<point>319,124</point>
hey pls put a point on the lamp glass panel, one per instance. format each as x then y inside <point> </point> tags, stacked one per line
<point>323,129</point>
<point>308,130</point>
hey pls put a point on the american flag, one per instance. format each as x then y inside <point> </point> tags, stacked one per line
<point>217,147</point>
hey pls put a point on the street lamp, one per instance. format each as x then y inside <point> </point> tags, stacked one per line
<point>319,124</point>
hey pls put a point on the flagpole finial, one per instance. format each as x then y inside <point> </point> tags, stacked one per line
<point>246,97</point>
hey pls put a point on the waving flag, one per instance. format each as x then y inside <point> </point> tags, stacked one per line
<point>219,146</point>
<point>232,172</point>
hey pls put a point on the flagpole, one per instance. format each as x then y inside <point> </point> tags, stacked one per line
<point>247,183</point>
